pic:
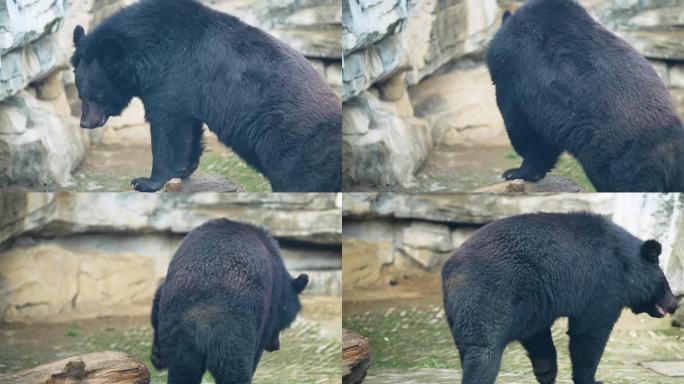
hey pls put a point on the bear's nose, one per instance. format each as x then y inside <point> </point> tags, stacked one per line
<point>92,116</point>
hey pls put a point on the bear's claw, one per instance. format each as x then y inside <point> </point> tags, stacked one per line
<point>521,173</point>
<point>144,184</point>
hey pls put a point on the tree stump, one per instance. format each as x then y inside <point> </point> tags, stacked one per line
<point>356,357</point>
<point>93,368</point>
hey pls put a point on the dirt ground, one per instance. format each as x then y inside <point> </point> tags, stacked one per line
<point>411,343</point>
<point>124,154</point>
<point>462,168</point>
<point>309,354</point>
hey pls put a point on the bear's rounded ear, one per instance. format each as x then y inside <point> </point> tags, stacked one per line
<point>300,282</point>
<point>650,250</point>
<point>79,33</point>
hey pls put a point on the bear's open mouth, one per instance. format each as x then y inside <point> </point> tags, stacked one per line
<point>103,120</point>
<point>660,310</point>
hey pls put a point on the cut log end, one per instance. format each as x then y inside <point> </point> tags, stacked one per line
<point>356,357</point>
<point>92,368</point>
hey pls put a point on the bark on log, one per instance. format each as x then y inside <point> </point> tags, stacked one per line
<point>93,368</point>
<point>356,357</point>
<point>201,183</point>
<point>551,183</point>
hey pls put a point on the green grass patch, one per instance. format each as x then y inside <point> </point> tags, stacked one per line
<point>567,167</point>
<point>231,167</point>
<point>570,168</point>
<point>411,339</point>
<point>511,155</point>
<point>71,332</point>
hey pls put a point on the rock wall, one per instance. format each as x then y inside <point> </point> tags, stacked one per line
<point>389,234</point>
<point>66,256</point>
<point>41,143</point>
<point>387,46</point>
<point>310,26</point>
<point>414,73</point>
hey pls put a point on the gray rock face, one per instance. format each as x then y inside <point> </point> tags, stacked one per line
<point>372,64</point>
<point>381,145</point>
<point>391,44</point>
<point>29,63</point>
<point>306,217</point>
<point>678,317</point>
<point>468,209</point>
<point>420,231</point>
<point>37,146</point>
<point>310,26</point>
<point>428,244</point>
<point>381,38</point>
<point>367,22</point>
<point>654,27</point>
<point>22,22</point>
<point>40,143</point>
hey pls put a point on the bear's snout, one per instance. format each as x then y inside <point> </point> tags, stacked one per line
<point>92,115</point>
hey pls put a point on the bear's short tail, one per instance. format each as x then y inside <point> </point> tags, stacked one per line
<point>505,16</point>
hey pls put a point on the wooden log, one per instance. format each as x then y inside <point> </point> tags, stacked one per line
<point>93,368</point>
<point>551,183</point>
<point>201,183</point>
<point>356,357</point>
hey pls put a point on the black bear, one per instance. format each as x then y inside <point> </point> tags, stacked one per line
<point>514,277</point>
<point>191,65</point>
<point>225,299</point>
<point>565,83</point>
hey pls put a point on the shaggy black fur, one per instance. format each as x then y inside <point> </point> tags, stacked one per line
<point>192,65</point>
<point>225,299</point>
<point>514,277</point>
<point>565,83</point>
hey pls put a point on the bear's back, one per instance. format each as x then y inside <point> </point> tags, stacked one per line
<point>226,256</point>
<point>547,240</point>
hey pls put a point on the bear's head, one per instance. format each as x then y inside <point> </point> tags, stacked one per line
<point>659,298</point>
<point>101,96</point>
<point>288,310</point>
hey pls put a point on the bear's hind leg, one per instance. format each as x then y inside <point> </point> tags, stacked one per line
<point>542,354</point>
<point>538,157</point>
<point>587,342</point>
<point>172,138</point>
<point>480,364</point>
<point>187,368</point>
<point>537,162</point>
<point>238,370</point>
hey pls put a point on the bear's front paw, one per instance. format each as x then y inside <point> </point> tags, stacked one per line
<point>546,378</point>
<point>144,184</point>
<point>512,174</point>
<point>157,360</point>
